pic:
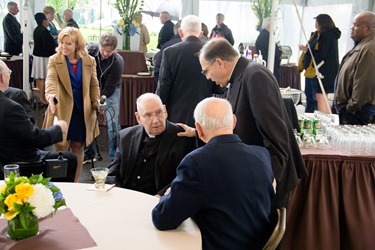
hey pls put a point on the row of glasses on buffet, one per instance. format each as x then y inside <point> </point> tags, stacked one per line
<point>352,139</point>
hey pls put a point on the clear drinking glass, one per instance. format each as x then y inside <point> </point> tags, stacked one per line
<point>11,168</point>
<point>99,174</point>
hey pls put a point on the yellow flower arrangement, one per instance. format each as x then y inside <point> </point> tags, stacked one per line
<point>25,200</point>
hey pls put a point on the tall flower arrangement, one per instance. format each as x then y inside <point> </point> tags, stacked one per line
<point>23,201</point>
<point>126,10</point>
<point>262,9</point>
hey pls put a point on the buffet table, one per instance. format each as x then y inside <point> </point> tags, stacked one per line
<point>334,207</point>
<point>15,64</point>
<point>289,77</point>
<point>117,219</point>
<point>131,88</point>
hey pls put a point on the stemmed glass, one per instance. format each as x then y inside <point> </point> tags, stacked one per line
<point>99,174</point>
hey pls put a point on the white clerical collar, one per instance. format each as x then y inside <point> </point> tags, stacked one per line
<point>230,76</point>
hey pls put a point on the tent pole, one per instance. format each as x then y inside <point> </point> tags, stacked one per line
<point>271,43</point>
<point>26,83</point>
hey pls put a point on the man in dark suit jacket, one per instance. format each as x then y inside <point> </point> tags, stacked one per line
<point>261,113</point>
<point>20,138</point>
<point>12,31</point>
<point>19,96</point>
<point>149,153</point>
<point>166,32</point>
<point>68,18</point>
<point>181,85</point>
<point>261,44</point>
<point>226,185</point>
<point>159,56</point>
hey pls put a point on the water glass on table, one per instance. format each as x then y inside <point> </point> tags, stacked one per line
<point>11,168</point>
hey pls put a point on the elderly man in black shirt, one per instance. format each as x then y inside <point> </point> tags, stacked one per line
<point>149,153</point>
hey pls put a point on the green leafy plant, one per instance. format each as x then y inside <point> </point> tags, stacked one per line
<point>262,9</point>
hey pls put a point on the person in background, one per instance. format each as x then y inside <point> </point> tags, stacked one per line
<point>49,11</point>
<point>204,36</point>
<point>20,138</point>
<point>166,32</point>
<point>261,46</point>
<point>159,56</point>
<point>12,31</point>
<point>221,30</point>
<point>73,93</point>
<point>254,92</point>
<point>109,67</point>
<point>44,47</point>
<point>355,88</point>
<point>226,185</point>
<point>181,85</point>
<point>68,18</point>
<point>311,82</point>
<point>149,153</point>
<point>144,36</point>
<point>324,46</point>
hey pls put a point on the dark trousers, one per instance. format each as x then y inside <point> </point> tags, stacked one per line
<point>359,118</point>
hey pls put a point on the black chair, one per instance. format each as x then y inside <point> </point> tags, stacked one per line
<point>29,168</point>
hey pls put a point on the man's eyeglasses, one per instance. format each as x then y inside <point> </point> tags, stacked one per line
<point>150,116</point>
<point>205,71</point>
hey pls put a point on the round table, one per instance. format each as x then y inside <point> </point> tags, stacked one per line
<point>121,219</point>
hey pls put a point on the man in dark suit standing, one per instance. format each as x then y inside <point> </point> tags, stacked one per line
<point>260,110</point>
<point>149,153</point>
<point>181,85</point>
<point>68,18</point>
<point>12,31</point>
<point>166,32</point>
<point>20,138</point>
<point>261,45</point>
<point>226,185</point>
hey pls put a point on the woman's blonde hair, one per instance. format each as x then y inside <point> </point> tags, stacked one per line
<point>76,36</point>
<point>49,10</point>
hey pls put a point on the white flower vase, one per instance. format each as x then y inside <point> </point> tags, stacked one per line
<point>135,40</point>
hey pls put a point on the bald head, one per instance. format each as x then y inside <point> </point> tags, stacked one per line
<point>363,26</point>
<point>4,76</point>
<point>3,66</point>
<point>144,98</point>
<point>214,116</point>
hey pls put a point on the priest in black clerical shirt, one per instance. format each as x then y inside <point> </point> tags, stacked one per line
<point>148,154</point>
